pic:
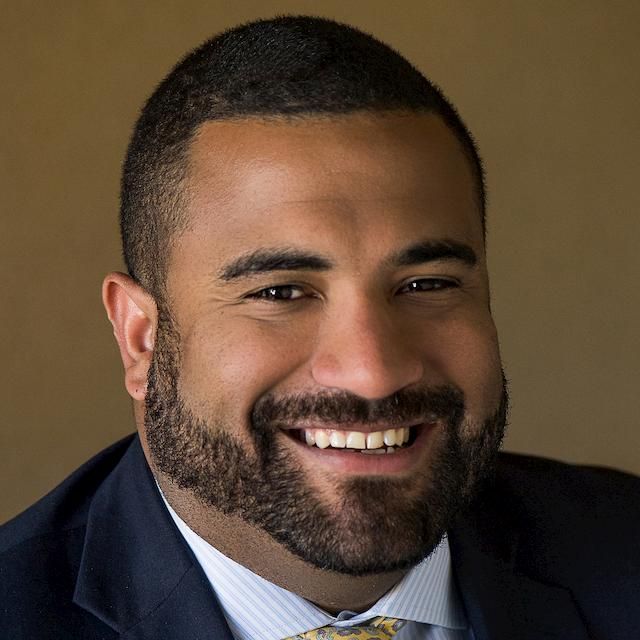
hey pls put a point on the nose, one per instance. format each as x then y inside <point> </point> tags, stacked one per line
<point>367,351</point>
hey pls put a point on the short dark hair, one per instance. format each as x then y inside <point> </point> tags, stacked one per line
<point>289,66</point>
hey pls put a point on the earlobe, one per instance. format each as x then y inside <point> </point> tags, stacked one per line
<point>133,314</point>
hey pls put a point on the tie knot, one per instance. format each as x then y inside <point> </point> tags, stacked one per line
<point>380,628</point>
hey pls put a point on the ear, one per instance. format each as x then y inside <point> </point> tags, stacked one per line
<point>133,313</point>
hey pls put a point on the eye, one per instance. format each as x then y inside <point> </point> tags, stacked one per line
<point>428,284</point>
<point>279,293</point>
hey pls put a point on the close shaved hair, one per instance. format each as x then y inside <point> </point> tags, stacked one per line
<point>286,67</point>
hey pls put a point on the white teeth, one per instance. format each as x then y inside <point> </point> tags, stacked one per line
<point>390,437</point>
<point>322,438</point>
<point>337,439</point>
<point>356,440</point>
<point>375,440</point>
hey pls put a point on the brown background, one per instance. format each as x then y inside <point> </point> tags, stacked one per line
<point>551,91</point>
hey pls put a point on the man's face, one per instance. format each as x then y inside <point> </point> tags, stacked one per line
<point>330,287</point>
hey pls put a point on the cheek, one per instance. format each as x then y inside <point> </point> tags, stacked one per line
<point>467,351</point>
<point>228,368</point>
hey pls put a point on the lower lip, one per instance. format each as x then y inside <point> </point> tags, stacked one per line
<point>347,461</point>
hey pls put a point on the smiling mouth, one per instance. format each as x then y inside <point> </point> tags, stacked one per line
<point>372,442</point>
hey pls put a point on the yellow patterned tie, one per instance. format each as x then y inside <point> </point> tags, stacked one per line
<point>378,629</point>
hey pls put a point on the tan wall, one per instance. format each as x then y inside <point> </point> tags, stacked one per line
<point>552,92</point>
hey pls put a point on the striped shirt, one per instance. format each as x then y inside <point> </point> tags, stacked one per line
<point>256,608</point>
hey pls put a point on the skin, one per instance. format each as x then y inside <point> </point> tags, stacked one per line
<point>356,189</point>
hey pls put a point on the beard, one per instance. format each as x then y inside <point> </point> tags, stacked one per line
<point>374,524</point>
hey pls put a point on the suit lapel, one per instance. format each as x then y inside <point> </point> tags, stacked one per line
<point>501,601</point>
<point>136,574</point>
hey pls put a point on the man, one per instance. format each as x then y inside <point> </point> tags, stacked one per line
<point>306,335</point>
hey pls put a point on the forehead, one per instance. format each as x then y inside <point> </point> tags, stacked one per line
<point>330,180</point>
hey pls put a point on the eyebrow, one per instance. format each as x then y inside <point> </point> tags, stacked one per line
<point>288,259</point>
<point>267,260</point>
<point>430,251</point>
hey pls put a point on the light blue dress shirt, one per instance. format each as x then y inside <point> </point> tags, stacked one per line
<point>256,608</point>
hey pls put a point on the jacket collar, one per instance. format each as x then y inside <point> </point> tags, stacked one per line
<point>136,574</point>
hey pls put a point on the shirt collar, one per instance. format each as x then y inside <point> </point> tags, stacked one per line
<point>257,608</point>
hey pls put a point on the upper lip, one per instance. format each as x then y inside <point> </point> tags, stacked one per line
<point>352,426</point>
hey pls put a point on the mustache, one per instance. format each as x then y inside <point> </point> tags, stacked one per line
<point>406,406</point>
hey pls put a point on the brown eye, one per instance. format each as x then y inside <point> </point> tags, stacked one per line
<point>428,284</point>
<point>280,293</point>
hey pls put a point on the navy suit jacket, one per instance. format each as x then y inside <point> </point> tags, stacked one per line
<point>546,551</point>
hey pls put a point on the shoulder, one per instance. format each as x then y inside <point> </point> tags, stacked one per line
<point>545,527</point>
<point>547,489</point>
<point>574,506</point>
<point>40,550</point>
<point>576,526</point>
<point>514,464</point>
<point>546,501</point>
<point>65,507</point>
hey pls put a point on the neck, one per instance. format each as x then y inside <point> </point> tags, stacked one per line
<point>259,552</point>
